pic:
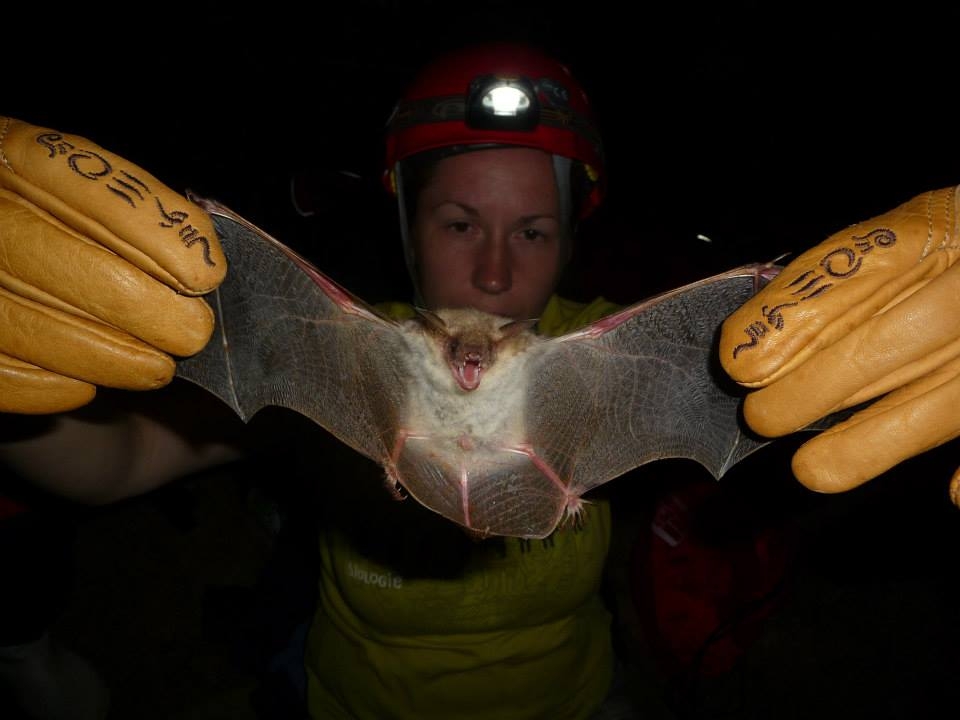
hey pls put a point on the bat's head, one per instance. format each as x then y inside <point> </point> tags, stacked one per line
<point>471,341</point>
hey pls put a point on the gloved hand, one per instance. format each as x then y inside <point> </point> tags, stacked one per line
<point>872,311</point>
<point>100,266</point>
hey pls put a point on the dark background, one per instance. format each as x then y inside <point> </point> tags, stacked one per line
<point>762,126</point>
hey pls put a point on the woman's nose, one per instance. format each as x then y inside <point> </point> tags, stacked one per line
<point>492,273</point>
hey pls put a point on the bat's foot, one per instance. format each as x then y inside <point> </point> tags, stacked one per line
<point>392,483</point>
<point>474,534</point>
<point>573,513</point>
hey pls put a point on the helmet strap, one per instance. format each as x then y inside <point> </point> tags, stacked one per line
<point>409,254</point>
<point>562,174</point>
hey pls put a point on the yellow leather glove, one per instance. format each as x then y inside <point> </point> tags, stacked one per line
<point>100,266</point>
<point>872,311</point>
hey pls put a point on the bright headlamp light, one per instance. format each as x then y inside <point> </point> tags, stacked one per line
<point>499,103</point>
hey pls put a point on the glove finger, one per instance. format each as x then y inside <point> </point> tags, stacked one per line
<point>836,286</point>
<point>955,488</point>
<point>916,418</point>
<point>43,260</point>
<point>28,389</point>
<point>909,340</point>
<point>115,202</point>
<point>79,348</point>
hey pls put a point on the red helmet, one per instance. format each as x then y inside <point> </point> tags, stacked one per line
<point>450,104</point>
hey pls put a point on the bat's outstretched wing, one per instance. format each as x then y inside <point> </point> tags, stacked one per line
<point>287,335</point>
<point>641,385</point>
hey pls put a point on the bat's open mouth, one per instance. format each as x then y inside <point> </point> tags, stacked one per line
<point>468,373</point>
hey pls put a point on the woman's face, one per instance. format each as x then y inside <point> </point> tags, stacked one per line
<point>487,232</point>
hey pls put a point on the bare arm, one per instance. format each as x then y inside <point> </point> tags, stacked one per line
<point>122,445</point>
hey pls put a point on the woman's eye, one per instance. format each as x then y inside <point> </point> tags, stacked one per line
<point>459,226</point>
<point>532,234</point>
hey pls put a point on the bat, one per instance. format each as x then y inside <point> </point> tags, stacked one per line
<point>475,416</point>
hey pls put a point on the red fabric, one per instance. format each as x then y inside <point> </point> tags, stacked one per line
<point>703,601</point>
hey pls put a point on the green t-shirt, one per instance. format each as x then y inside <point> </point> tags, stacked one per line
<point>415,620</point>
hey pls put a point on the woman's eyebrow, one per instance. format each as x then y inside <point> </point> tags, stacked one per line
<point>468,209</point>
<point>537,216</point>
<point>474,212</point>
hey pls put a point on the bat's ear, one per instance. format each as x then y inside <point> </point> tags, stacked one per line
<point>515,327</point>
<point>431,320</point>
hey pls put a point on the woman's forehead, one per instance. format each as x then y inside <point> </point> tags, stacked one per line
<point>515,176</point>
<point>518,160</point>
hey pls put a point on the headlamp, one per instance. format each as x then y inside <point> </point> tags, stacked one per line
<point>502,103</point>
